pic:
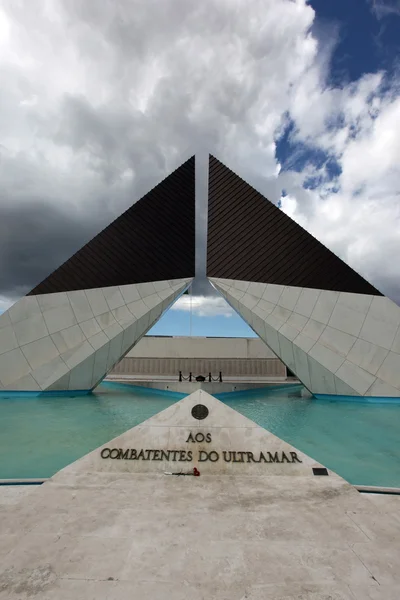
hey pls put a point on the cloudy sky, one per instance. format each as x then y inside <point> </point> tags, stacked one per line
<point>99,100</point>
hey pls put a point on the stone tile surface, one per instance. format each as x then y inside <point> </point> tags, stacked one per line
<point>272,292</point>
<point>313,329</point>
<point>8,341</point>
<point>381,388</point>
<point>256,289</point>
<point>80,305</point>
<point>390,370</point>
<point>26,307</point>
<point>59,318</point>
<point>98,340</point>
<point>352,340</point>
<point>130,292</point>
<point>336,340</point>
<point>306,302</point>
<point>146,289</point>
<point>378,331</point>
<point>327,358</point>
<point>301,366</point>
<point>355,377</point>
<point>13,365</point>
<point>30,329</point>
<point>271,337</point>
<point>90,328</point>
<point>287,352</point>
<point>97,301</point>
<point>344,389</point>
<point>53,300</point>
<point>76,355</point>
<point>346,319</point>
<point>322,379</point>
<point>324,306</point>
<point>44,340</point>
<point>113,297</point>
<point>50,372</point>
<point>289,332</point>
<point>68,338</point>
<point>367,356</point>
<point>40,352</point>
<point>81,376</point>
<point>289,297</point>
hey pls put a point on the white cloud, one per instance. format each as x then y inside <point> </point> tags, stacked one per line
<point>384,8</point>
<point>359,215</point>
<point>100,100</point>
<point>204,306</point>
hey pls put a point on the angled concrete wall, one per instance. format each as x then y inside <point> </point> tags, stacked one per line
<point>200,347</point>
<point>337,343</point>
<point>236,358</point>
<point>71,340</point>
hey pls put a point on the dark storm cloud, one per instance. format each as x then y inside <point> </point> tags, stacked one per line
<point>36,241</point>
<point>38,233</point>
<point>152,95</point>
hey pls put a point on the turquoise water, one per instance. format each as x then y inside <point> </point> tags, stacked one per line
<point>39,436</point>
<point>358,441</point>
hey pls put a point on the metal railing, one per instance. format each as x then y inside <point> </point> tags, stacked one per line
<point>190,377</point>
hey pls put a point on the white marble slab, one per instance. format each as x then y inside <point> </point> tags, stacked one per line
<point>353,339</point>
<point>58,335</point>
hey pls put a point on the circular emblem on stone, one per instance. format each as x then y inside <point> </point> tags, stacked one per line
<point>200,412</point>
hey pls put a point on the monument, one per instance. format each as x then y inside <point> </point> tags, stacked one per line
<point>335,331</point>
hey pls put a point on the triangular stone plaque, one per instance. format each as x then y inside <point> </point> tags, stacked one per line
<point>198,432</point>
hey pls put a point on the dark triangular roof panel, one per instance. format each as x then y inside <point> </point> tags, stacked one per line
<point>153,240</point>
<point>251,239</point>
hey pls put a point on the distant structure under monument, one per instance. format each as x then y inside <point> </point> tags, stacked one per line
<point>337,333</point>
